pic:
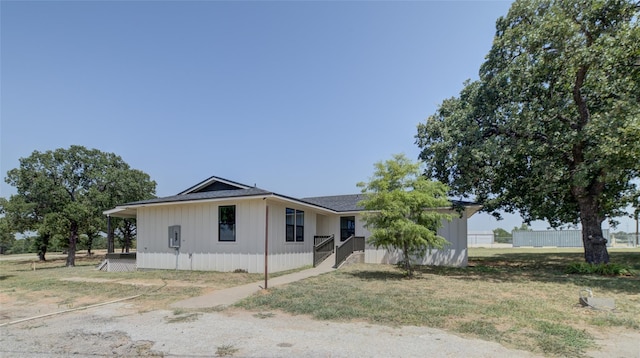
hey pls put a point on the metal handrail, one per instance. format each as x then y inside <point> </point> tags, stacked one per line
<point>318,239</point>
<point>350,245</point>
<point>323,249</point>
<point>358,243</point>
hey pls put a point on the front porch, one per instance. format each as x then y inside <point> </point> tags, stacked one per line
<point>325,245</point>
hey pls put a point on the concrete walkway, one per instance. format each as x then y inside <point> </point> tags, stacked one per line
<point>229,296</point>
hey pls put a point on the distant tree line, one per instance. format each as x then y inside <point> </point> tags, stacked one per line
<point>10,245</point>
<point>502,236</point>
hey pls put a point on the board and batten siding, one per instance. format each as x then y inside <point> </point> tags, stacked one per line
<point>285,255</point>
<point>454,254</point>
<point>200,248</point>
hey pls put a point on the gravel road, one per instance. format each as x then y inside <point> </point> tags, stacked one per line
<point>118,330</point>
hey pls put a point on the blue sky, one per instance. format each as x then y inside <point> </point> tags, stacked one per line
<point>300,98</point>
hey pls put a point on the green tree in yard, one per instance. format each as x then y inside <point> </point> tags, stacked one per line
<point>502,236</point>
<point>403,209</point>
<point>63,192</point>
<point>7,235</point>
<point>25,217</point>
<point>126,186</point>
<point>552,127</point>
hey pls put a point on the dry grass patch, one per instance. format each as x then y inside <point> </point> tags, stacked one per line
<point>53,286</point>
<point>522,299</point>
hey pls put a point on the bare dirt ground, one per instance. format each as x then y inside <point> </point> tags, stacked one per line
<point>119,329</point>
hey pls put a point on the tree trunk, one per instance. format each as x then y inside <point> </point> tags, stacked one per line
<point>42,247</point>
<point>89,244</point>
<point>407,260</point>
<point>127,241</point>
<point>73,239</point>
<point>128,232</point>
<point>595,245</point>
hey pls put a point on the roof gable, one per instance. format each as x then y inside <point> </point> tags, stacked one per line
<point>214,184</point>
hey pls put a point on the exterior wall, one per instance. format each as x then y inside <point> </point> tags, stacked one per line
<point>289,255</point>
<point>200,248</point>
<point>360,229</point>
<point>455,254</point>
<point>326,224</point>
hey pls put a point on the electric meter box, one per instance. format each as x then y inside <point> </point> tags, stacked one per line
<point>174,236</point>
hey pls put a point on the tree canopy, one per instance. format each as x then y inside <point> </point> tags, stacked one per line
<point>399,198</point>
<point>552,127</point>
<point>63,192</point>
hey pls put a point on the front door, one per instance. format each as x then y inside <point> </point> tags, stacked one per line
<point>347,227</point>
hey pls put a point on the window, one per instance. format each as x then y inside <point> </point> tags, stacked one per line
<point>347,227</point>
<point>294,223</point>
<point>227,223</point>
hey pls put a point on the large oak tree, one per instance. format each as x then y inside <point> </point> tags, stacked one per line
<point>64,191</point>
<point>552,127</point>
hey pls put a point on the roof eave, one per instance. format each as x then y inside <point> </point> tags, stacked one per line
<point>121,212</point>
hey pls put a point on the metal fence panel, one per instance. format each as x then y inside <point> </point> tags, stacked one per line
<point>553,238</point>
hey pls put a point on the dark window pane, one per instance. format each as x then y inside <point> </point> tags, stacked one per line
<point>299,233</point>
<point>227,232</point>
<point>299,225</point>
<point>290,229</point>
<point>347,227</point>
<point>227,223</point>
<point>290,217</point>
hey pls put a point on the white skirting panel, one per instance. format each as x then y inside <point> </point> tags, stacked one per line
<point>445,257</point>
<point>223,262</point>
<point>289,261</point>
<point>159,260</point>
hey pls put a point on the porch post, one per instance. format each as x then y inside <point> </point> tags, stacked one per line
<point>266,248</point>
<point>110,245</point>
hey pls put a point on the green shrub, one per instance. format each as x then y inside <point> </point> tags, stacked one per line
<point>583,268</point>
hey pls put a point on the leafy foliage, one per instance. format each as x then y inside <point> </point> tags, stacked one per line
<point>610,269</point>
<point>399,198</point>
<point>61,194</point>
<point>502,236</point>
<point>552,127</point>
<point>7,237</point>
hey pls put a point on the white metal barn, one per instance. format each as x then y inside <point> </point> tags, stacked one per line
<point>480,238</point>
<point>221,225</point>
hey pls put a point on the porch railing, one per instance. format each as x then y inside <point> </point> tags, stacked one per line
<point>349,246</point>
<point>322,248</point>
<point>320,238</point>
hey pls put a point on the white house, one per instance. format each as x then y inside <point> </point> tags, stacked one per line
<point>222,225</point>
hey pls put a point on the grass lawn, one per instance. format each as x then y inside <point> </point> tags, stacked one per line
<point>519,297</point>
<point>54,283</point>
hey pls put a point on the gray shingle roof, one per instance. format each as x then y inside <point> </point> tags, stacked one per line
<point>337,202</point>
<point>220,194</point>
